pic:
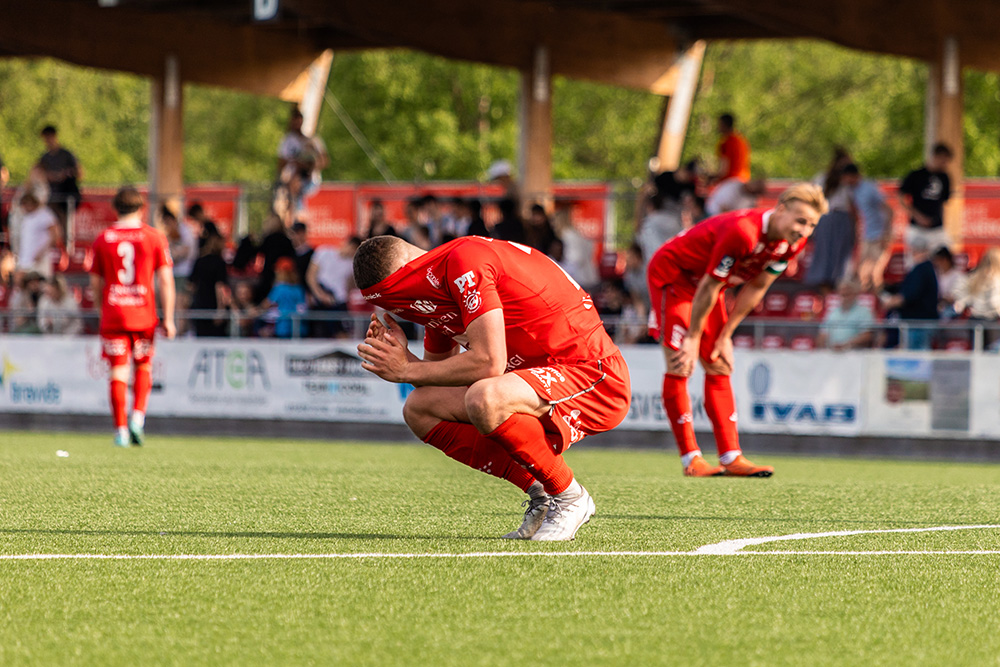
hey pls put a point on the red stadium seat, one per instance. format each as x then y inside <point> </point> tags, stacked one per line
<point>895,270</point>
<point>803,342</point>
<point>807,306</point>
<point>775,305</point>
<point>743,342</point>
<point>958,345</point>
<point>772,342</point>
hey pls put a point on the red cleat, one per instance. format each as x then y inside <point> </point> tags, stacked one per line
<point>742,467</point>
<point>699,467</point>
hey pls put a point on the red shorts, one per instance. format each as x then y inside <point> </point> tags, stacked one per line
<point>119,347</point>
<point>670,317</point>
<point>587,397</point>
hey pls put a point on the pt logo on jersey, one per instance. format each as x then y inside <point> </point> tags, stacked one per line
<point>724,267</point>
<point>473,301</point>
<point>425,307</point>
<point>432,279</point>
<point>465,281</point>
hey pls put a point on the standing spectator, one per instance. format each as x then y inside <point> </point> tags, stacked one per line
<point>833,241</point>
<point>635,279</point>
<point>664,218</point>
<point>378,225</point>
<point>918,295</point>
<point>979,294</point>
<point>126,257</point>
<point>477,226</point>
<point>949,277</point>
<point>286,298</point>
<point>210,287</point>
<point>577,252</point>
<point>923,193</point>
<point>415,232</point>
<point>199,218</point>
<point>242,310</point>
<point>733,151</point>
<point>876,221</point>
<point>62,171</point>
<point>848,325</point>
<point>733,194</point>
<point>329,279</point>
<point>501,173</point>
<point>274,245</point>
<point>4,178</point>
<point>303,251</point>
<point>461,219</point>
<point>438,223</point>
<point>300,161</point>
<point>183,246</point>
<point>58,310</point>
<point>510,227</point>
<point>538,233</point>
<point>39,234</point>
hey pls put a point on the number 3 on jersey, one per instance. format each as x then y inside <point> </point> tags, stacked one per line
<point>126,274</point>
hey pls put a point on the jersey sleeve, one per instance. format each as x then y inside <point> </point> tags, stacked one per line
<point>436,342</point>
<point>731,246</point>
<point>472,281</point>
<point>161,254</point>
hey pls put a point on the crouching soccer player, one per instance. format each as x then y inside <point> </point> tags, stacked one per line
<point>539,372</point>
<point>687,277</point>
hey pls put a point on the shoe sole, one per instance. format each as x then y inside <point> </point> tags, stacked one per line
<point>721,473</point>
<point>761,473</point>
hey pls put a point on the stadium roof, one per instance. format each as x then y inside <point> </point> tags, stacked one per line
<point>624,42</point>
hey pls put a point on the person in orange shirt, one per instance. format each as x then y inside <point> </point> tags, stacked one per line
<point>733,152</point>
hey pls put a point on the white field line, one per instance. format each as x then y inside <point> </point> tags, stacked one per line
<point>725,548</point>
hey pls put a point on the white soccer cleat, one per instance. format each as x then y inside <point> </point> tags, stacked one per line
<point>533,517</point>
<point>567,512</point>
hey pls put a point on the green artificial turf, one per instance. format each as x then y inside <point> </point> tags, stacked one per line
<point>223,496</point>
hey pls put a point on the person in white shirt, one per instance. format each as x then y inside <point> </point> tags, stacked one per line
<point>850,324</point>
<point>330,276</point>
<point>39,233</point>
<point>733,194</point>
<point>58,310</point>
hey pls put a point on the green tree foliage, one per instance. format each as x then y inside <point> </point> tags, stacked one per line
<point>429,118</point>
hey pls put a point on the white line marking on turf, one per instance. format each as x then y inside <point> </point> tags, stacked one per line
<point>725,548</point>
<point>732,547</point>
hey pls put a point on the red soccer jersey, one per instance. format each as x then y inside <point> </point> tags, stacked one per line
<point>127,256</point>
<point>731,247</point>
<point>548,317</point>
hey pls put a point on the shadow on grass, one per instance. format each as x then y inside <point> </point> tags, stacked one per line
<point>227,534</point>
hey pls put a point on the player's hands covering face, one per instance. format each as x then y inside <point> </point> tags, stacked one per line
<point>384,351</point>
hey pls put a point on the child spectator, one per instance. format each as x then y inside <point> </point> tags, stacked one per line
<point>286,298</point>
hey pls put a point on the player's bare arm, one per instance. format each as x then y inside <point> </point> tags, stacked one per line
<point>168,297</point>
<point>749,296</point>
<point>682,361</point>
<point>390,359</point>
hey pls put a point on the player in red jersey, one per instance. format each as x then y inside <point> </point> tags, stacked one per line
<point>687,277</point>
<point>538,372</point>
<point>126,257</point>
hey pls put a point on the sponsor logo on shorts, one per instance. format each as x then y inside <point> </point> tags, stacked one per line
<point>724,267</point>
<point>575,426</point>
<point>115,347</point>
<point>473,301</point>
<point>548,376</point>
<point>425,307</point>
<point>677,335</point>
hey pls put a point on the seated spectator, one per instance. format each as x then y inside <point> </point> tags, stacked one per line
<point>39,233</point>
<point>917,299</point>
<point>733,194</point>
<point>24,302</point>
<point>329,279</point>
<point>242,311</point>
<point>876,219</point>
<point>621,320</point>
<point>378,225</point>
<point>58,309</point>
<point>538,232</point>
<point>274,245</point>
<point>287,298</point>
<point>209,287</point>
<point>949,277</point>
<point>979,293</point>
<point>850,324</point>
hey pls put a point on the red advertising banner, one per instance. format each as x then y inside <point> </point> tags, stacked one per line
<point>220,203</point>
<point>330,215</point>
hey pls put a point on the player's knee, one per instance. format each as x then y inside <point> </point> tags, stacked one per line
<point>417,409</point>
<point>482,399</point>
<point>716,367</point>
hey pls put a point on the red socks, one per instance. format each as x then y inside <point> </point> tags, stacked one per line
<point>118,390</point>
<point>677,403</point>
<point>465,444</point>
<point>143,385</point>
<point>523,437</point>
<point>720,405</point>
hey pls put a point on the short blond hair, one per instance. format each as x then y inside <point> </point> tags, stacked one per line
<point>807,193</point>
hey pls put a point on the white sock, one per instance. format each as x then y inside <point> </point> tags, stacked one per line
<point>139,419</point>
<point>123,432</point>
<point>573,490</point>
<point>687,458</point>
<point>729,457</point>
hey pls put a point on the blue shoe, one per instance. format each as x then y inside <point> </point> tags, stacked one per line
<point>122,440</point>
<point>137,434</point>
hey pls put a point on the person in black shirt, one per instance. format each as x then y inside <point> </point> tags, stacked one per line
<point>923,193</point>
<point>62,171</point>
<point>273,247</point>
<point>209,283</point>
<point>917,298</point>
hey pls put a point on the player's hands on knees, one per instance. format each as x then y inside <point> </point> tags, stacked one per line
<point>682,361</point>
<point>386,354</point>
<point>722,355</point>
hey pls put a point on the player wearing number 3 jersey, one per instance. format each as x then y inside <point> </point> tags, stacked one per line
<point>538,372</point>
<point>125,259</point>
<point>687,278</point>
